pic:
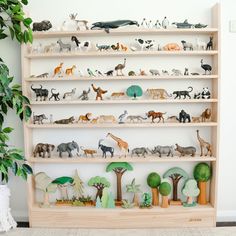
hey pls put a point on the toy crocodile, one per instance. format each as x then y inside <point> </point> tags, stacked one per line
<point>107,25</point>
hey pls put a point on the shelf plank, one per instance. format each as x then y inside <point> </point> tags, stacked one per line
<point>99,159</point>
<point>123,31</point>
<point>121,54</point>
<point>116,125</point>
<point>116,101</point>
<point>111,78</point>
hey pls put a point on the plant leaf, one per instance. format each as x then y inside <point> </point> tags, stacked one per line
<point>27,22</point>
<point>8,130</point>
<point>16,156</point>
<point>27,169</point>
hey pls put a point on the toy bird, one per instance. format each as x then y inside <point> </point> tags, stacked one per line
<point>99,73</point>
<point>206,67</point>
<point>157,25</point>
<point>90,73</point>
<point>143,22</point>
<point>122,117</point>
<point>165,23</point>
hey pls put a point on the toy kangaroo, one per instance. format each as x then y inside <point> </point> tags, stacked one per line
<point>58,70</point>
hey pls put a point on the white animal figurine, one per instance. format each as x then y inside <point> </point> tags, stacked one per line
<point>165,23</point>
<point>81,74</point>
<point>157,25</point>
<point>37,48</point>
<point>200,45</point>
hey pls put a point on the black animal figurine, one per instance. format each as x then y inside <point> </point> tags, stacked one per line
<point>84,95</point>
<point>54,95</point>
<point>210,44</point>
<point>109,73</point>
<point>184,93</point>
<point>206,67</point>
<point>105,149</point>
<point>206,93</point>
<point>40,92</point>
<point>183,116</point>
<point>79,44</point>
<point>42,26</point>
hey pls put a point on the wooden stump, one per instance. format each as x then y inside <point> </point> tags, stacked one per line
<point>165,202</point>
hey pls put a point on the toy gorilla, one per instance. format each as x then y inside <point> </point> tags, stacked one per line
<point>183,116</point>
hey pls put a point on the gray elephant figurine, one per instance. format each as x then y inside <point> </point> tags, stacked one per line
<point>68,147</point>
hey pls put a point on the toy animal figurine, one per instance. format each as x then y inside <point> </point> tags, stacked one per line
<point>176,72</point>
<point>165,23</point>
<point>168,150</point>
<point>143,23</point>
<point>80,73</point>
<point>84,95</point>
<point>43,148</point>
<point>40,92</point>
<point>107,25</point>
<point>165,72</point>
<point>85,118</point>
<point>139,152</point>
<point>65,121</point>
<point>86,44</point>
<point>105,149</point>
<point>196,119</point>
<point>145,44</point>
<point>67,147</point>
<point>123,47</point>
<point>49,48</point>
<point>183,117</point>
<point>154,72</point>
<point>187,45</point>
<point>98,73</point>
<point>44,75</point>
<point>99,92</point>
<point>186,72</point>
<point>95,120</point>
<point>158,93</point>
<point>186,150</point>
<point>42,26</point>
<point>136,118</point>
<point>69,94</point>
<point>109,73</point>
<point>58,70</point>
<point>154,115</point>
<point>197,95</point>
<point>54,95</point>
<point>206,67</point>
<point>173,119</point>
<point>70,71</point>
<point>107,119</point>
<point>88,151</point>
<point>77,23</point>
<point>131,73</point>
<point>204,145</point>
<point>63,46</point>
<point>120,143</point>
<point>183,25</point>
<point>122,117</point>
<point>117,94</point>
<point>199,25</point>
<point>200,45</point>
<point>210,44</point>
<point>39,118</point>
<point>157,25</point>
<point>36,48</point>
<point>115,47</point>
<point>205,93</point>
<point>206,115</point>
<point>90,73</point>
<point>103,47</point>
<point>119,68</point>
<point>171,47</point>
<point>142,72</point>
<point>184,93</point>
<point>194,73</point>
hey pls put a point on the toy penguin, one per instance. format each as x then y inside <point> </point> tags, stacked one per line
<point>165,23</point>
<point>90,72</point>
<point>157,25</point>
<point>99,73</point>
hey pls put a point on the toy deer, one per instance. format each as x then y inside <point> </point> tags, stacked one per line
<point>204,145</point>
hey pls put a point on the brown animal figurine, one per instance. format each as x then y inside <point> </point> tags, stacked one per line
<point>186,150</point>
<point>121,143</point>
<point>43,148</point>
<point>65,121</point>
<point>70,71</point>
<point>196,119</point>
<point>156,115</point>
<point>95,120</point>
<point>115,47</point>
<point>123,47</point>
<point>119,68</point>
<point>58,70</point>
<point>204,145</point>
<point>142,72</point>
<point>117,94</point>
<point>85,118</point>
<point>206,115</point>
<point>88,151</point>
<point>99,92</point>
<point>171,47</point>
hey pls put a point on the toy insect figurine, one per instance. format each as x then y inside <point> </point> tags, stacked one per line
<point>206,67</point>
<point>58,70</point>
<point>99,92</point>
<point>186,150</point>
<point>69,94</point>
<point>204,145</point>
<point>184,93</point>
<point>122,117</point>
<point>39,119</point>
<point>40,92</point>
<point>65,121</point>
<point>183,117</point>
<point>154,115</point>
<point>54,95</point>
<point>84,95</point>
<point>105,149</point>
<point>70,71</point>
<point>119,68</point>
<point>43,148</point>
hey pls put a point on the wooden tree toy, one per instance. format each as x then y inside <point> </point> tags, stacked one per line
<point>134,188</point>
<point>190,190</point>
<point>78,185</point>
<point>111,201</point>
<point>124,146</point>
<point>165,189</point>
<point>153,181</point>
<point>63,183</point>
<point>146,201</point>
<point>202,173</point>
<point>175,174</point>
<point>204,145</point>
<point>99,92</point>
<point>99,183</point>
<point>98,203</point>
<point>44,183</point>
<point>134,91</point>
<point>119,168</point>
<point>105,198</point>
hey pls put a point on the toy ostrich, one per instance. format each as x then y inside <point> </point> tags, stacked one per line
<point>206,67</point>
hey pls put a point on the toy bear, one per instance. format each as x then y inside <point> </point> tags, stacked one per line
<point>206,93</point>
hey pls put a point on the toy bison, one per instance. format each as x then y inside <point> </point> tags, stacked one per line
<point>43,148</point>
<point>42,26</point>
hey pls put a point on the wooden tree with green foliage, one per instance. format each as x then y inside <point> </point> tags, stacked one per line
<point>190,190</point>
<point>153,181</point>
<point>12,20</point>
<point>135,189</point>
<point>175,174</point>
<point>119,168</point>
<point>165,190</point>
<point>202,173</point>
<point>99,183</point>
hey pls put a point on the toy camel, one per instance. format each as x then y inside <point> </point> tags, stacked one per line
<point>204,145</point>
<point>121,143</point>
<point>99,92</point>
<point>58,69</point>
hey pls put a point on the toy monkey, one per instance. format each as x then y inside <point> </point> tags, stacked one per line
<point>99,92</point>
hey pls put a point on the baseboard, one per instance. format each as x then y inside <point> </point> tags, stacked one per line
<point>20,216</point>
<point>226,216</point>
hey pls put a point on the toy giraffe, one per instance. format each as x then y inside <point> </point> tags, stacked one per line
<point>121,143</point>
<point>204,144</point>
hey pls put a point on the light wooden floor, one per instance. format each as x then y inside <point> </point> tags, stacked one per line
<point>222,231</point>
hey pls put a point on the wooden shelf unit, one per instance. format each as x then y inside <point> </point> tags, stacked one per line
<point>174,216</point>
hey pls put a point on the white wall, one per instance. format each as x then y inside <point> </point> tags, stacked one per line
<point>103,10</point>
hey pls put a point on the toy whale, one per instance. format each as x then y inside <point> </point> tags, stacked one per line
<point>107,25</point>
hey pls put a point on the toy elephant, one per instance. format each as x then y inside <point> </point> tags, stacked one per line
<point>43,148</point>
<point>67,147</point>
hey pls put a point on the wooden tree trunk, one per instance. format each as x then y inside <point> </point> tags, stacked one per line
<point>119,190</point>
<point>136,199</point>
<point>165,202</point>
<point>190,200</point>
<point>175,189</point>
<point>64,193</point>
<point>155,197</point>
<point>202,198</point>
<point>99,193</point>
<point>46,199</point>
